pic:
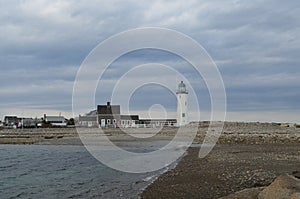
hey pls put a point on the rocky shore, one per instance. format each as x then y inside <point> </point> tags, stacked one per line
<point>248,157</point>
<point>233,133</point>
<point>226,170</point>
<point>252,133</point>
<point>31,136</point>
<point>284,186</point>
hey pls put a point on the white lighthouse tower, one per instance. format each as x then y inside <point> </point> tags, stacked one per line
<point>182,94</point>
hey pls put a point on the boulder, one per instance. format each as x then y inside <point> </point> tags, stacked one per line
<point>295,196</point>
<point>284,187</point>
<point>251,193</point>
<point>284,125</point>
<point>296,174</point>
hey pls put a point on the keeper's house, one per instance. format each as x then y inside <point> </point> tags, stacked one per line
<point>110,116</point>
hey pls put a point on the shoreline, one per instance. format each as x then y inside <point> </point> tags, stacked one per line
<point>226,170</point>
<point>247,155</point>
<point>233,133</point>
<point>155,177</point>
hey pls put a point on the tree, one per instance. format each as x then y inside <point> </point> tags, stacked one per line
<point>46,124</point>
<point>71,121</point>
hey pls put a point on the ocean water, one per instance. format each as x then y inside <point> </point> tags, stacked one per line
<point>48,171</point>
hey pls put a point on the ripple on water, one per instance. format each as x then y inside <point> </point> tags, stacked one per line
<point>46,171</point>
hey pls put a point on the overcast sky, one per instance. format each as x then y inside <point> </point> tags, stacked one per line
<point>255,44</point>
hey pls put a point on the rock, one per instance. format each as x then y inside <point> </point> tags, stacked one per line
<point>295,196</point>
<point>48,137</point>
<point>245,194</point>
<point>284,187</point>
<point>284,125</point>
<point>296,174</point>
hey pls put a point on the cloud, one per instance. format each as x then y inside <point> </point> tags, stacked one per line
<point>255,44</point>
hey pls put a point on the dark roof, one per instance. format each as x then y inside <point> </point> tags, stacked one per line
<point>151,121</point>
<point>108,109</point>
<point>159,120</point>
<point>54,118</point>
<point>129,117</point>
<point>92,113</point>
<point>181,88</point>
<point>88,118</point>
<point>10,117</point>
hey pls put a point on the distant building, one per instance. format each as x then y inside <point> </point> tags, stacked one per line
<point>11,121</point>
<point>157,122</point>
<point>30,122</point>
<point>110,116</point>
<point>88,121</point>
<point>107,116</point>
<point>55,120</point>
<point>129,121</point>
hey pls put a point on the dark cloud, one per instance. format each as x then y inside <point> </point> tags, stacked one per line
<point>255,44</point>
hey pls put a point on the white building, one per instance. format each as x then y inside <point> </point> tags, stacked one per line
<point>182,93</point>
<point>55,120</point>
<point>88,121</point>
<point>109,116</point>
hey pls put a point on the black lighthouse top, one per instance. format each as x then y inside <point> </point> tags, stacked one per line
<point>181,88</point>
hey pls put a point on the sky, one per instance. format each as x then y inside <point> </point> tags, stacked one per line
<point>255,45</point>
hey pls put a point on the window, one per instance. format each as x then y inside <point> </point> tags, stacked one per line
<point>183,114</point>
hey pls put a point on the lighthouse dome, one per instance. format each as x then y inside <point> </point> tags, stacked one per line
<point>181,88</point>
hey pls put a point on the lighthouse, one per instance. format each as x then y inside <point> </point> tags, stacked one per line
<point>182,93</point>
